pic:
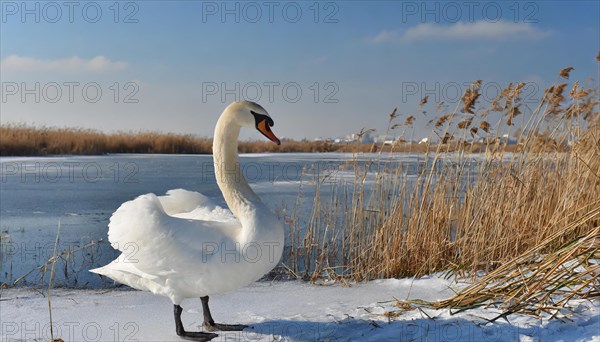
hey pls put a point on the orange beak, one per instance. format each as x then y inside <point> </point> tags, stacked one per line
<point>265,129</point>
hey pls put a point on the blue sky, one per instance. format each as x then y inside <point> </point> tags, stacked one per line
<point>322,69</point>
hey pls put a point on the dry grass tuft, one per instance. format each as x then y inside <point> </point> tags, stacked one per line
<point>539,284</point>
<point>409,120</point>
<point>470,97</point>
<point>442,120</point>
<point>485,126</point>
<point>564,73</point>
<point>554,97</point>
<point>464,124</point>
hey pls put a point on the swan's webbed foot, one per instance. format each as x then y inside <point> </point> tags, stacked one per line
<point>223,327</point>
<point>196,336</point>
<point>188,335</point>
<point>210,325</point>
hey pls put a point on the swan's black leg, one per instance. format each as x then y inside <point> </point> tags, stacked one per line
<point>192,336</point>
<point>210,325</point>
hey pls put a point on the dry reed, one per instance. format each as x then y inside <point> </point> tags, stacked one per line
<point>455,213</point>
<point>535,283</point>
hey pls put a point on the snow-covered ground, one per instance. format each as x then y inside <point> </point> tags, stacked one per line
<point>282,310</point>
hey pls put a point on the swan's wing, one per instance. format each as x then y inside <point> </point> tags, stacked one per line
<point>180,201</point>
<point>195,206</point>
<point>156,242</point>
<point>169,255</point>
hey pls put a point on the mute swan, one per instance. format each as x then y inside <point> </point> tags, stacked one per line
<point>183,245</point>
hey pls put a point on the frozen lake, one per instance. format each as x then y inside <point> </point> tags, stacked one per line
<point>81,192</point>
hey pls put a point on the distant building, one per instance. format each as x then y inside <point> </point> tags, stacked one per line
<point>366,138</point>
<point>508,140</point>
<point>380,139</point>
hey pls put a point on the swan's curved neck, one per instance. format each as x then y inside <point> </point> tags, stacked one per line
<point>237,193</point>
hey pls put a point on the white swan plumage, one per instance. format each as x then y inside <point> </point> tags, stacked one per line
<point>183,245</point>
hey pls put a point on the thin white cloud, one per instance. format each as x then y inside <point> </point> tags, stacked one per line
<point>386,36</point>
<point>72,64</point>
<point>480,30</point>
<point>476,30</point>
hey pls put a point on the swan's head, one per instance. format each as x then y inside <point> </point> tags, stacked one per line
<point>250,114</point>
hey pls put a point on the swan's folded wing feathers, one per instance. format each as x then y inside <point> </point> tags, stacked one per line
<point>155,243</point>
<point>193,205</point>
<point>135,221</point>
<point>185,233</point>
<point>178,201</point>
<point>139,219</point>
<point>216,214</point>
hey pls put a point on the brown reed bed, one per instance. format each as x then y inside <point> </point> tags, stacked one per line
<point>529,219</point>
<point>460,216</point>
<point>24,140</point>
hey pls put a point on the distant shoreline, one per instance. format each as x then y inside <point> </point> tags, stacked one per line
<point>23,140</point>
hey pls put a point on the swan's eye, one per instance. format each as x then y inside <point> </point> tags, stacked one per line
<point>270,121</point>
<point>260,117</point>
<point>263,124</point>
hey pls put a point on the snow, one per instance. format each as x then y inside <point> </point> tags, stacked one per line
<point>281,310</point>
